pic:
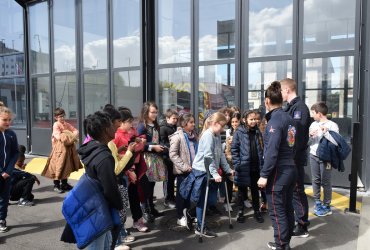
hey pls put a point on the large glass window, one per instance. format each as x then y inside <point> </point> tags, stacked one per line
<point>329,25</point>
<point>66,96</point>
<point>260,75</point>
<point>216,29</point>
<point>126,33</point>
<point>41,102</point>
<point>39,38</point>
<point>94,19</point>
<point>96,91</point>
<point>216,87</point>
<point>128,90</point>
<point>270,27</point>
<point>174,31</point>
<point>175,89</point>
<point>331,80</point>
<point>64,35</point>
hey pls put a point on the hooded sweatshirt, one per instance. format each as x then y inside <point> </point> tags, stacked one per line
<point>99,164</point>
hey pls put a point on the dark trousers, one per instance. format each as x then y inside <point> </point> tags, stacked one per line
<point>22,189</point>
<point>169,184</point>
<point>133,196</point>
<point>229,185</point>
<point>148,190</point>
<point>300,202</point>
<point>4,197</point>
<point>181,203</point>
<point>279,194</point>
<point>243,192</point>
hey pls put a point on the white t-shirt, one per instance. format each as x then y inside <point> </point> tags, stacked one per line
<point>316,126</point>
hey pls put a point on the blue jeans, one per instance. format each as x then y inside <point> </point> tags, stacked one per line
<point>102,243</point>
<point>4,198</point>
<point>212,199</point>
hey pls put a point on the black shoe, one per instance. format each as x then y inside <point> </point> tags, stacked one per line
<point>273,245</point>
<point>3,227</point>
<point>155,213</point>
<point>148,217</point>
<point>258,217</point>
<point>300,231</point>
<point>58,189</point>
<point>206,232</point>
<point>241,217</point>
<point>66,187</point>
<point>189,219</point>
<point>214,210</point>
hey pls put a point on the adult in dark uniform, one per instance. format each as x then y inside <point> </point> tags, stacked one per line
<point>300,113</point>
<point>278,174</point>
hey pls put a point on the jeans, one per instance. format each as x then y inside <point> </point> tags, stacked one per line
<point>212,197</point>
<point>181,203</point>
<point>102,243</point>
<point>321,176</point>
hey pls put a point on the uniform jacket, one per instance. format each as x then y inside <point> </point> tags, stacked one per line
<point>8,151</point>
<point>279,141</point>
<point>329,152</point>
<point>179,151</point>
<point>300,113</point>
<point>241,155</point>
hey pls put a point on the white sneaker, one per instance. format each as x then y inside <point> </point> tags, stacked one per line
<point>247,204</point>
<point>122,247</point>
<point>182,222</point>
<point>228,208</point>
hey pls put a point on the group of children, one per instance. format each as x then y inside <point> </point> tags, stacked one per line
<point>153,153</point>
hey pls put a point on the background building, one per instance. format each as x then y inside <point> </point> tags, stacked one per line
<point>191,55</point>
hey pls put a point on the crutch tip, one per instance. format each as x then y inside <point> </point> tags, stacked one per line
<point>200,240</point>
<point>231,226</point>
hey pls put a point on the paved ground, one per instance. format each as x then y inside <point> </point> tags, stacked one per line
<point>40,227</point>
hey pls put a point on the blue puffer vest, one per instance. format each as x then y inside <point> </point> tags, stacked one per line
<point>87,212</point>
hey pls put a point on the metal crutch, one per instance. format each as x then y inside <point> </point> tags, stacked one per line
<point>207,163</point>
<point>228,204</point>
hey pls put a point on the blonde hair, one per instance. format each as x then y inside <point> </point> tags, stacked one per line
<point>5,110</point>
<point>216,117</point>
<point>290,83</point>
<point>1,104</point>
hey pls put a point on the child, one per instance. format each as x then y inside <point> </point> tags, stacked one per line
<point>63,159</point>
<point>148,128</point>
<point>167,128</point>
<point>8,157</point>
<point>125,135</point>
<point>247,155</point>
<point>210,147</point>
<point>321,172</point>
<point>22,182</point>
<point>183,148</point>
<point>261,125</point>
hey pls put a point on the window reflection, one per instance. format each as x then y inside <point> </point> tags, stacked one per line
<point>216,29</point>
<point>39,38</point>
<point>94,19</point>
<point>128,90</point>
<point>66,96</point>
<point>270,27</point>
<point>328,25</point>
<point>41,102</point>
<point>126,33</point>
<point>64,35</point>
<point>216,87</point>
<point>95,91</point>
<point>174,28</point>
<point>260,75</point>
<point>175,89</point>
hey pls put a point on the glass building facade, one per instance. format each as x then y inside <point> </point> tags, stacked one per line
<point>189,55</point>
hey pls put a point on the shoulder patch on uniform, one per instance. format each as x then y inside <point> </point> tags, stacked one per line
<point>271,130</point>
<point>291,135</point>
<point>297,115</point>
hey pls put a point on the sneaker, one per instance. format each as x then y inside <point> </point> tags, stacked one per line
<point>140,226</point>
<point>169,204</point>
<point>155,213</point>
<point>241,217</point>
<point>58,189</point>
<point>214,210</point>
<point>228,208</point>
<point>148,217</point>
<point>128,239</point>
<point>25,203</point>
<point>300,231</point>
<point>323,211</point>
<point>189,219</point>
<point>182,222</point>
<point>247,204</point>
<point>273,245</point>
<point>206,232</point>
<point>3,227</point>
<point>318,206</point>
<point>66,187</point>
<point>263,207</point>
<point>258,217</point>
<point>328,210</point>
<point>122,247</point>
